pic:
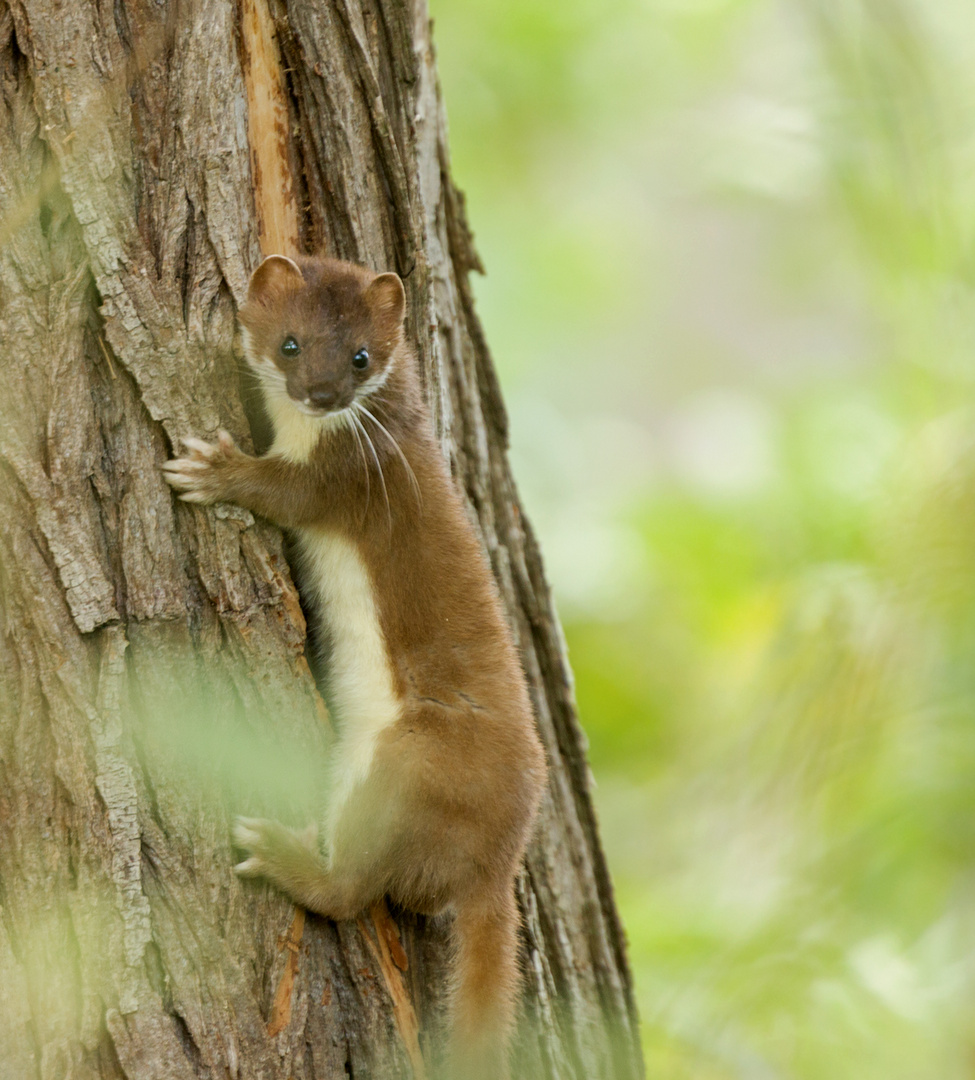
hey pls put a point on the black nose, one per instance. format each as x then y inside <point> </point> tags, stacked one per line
<point>322,397</point>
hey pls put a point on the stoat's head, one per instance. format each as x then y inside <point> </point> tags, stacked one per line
<point>322,331</point>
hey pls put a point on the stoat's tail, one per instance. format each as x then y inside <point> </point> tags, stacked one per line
<point>486,981</point>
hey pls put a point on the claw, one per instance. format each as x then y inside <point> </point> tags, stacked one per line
<point>198,446</point>
<point>178,465</point>
<point>247,831</point>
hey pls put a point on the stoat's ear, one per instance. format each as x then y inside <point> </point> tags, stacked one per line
<point>387,301</point>
<point>275,276</point>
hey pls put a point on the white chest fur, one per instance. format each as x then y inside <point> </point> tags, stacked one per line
<point>359,677</point>
<point>296,435</point>
<point>360,680</point>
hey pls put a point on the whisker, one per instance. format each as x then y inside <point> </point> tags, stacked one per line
<point>354,424</point>
<point>382,479</point>
<point>252,375</point>
<point>266,380</point>
<point>412,475</point>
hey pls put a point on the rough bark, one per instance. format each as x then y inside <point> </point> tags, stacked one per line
<point>153,680</point>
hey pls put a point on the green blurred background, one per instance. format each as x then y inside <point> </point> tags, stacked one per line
<point>730,296</point>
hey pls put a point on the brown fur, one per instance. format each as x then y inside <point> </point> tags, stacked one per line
<point>443,814</point>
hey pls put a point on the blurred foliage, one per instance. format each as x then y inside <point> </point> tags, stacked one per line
<point>730,294</point>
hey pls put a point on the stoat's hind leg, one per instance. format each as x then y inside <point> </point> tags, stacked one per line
<point>293,862</point>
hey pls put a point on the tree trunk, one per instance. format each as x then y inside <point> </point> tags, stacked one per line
<point>153,672</point>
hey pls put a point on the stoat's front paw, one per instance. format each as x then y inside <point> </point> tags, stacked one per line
<point>273,848</point>
<point>202,476</point>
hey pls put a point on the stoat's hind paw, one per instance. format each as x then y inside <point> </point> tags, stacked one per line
<point>249,835</point>
<point>247,831</point>
<point>273,849</point>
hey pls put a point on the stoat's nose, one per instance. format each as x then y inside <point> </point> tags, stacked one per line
<point>321,397</point>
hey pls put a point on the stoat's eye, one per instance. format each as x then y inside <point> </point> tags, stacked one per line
<point>361,360</point>
<point>290,347</point>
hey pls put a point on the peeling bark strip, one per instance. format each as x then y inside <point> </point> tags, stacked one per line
<point>272,159</point>
<point>392,960</point>
<point>153,681</point>
<point>281,1007</point>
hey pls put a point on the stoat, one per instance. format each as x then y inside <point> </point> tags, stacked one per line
<point>438,769</point>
